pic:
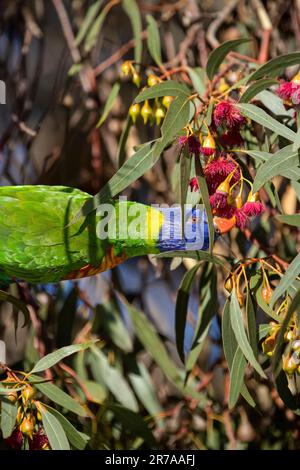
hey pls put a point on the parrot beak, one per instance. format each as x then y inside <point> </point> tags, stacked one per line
<point>224,225</point>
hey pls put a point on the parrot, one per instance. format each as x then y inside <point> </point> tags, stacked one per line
<point>40,244</point>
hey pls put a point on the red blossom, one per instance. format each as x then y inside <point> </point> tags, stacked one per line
<point>216,171</point>
<point>231,139</point>
<point>225,113</point>
<point>39,441</point>
<point>252,209</point>
<point>241,218</point>
<point>295,97</point>
<point>15,440</point>
<point>193,184</point>
<point>207,151</point>
<point>218,200</point>
<point>225,212</point>
<point>192,141</point>
<point>285,90</point>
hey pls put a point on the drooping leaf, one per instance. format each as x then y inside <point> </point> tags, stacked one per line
<point>17,303</point>
<point>54,430</point>
<point>276,359</point>
<point>167,88</point>
<point>217,56</point>
<point>109,103</point>
<point>261,117</point>
<point>77,439</point>
<point>205,198</point>
<point>88,21</point>
<point>240,334</point>
<point>251,323</point>
<point>287,279</point>
<point>121,153</point>
<point>293,219</point>
<point>276,165</point>
<point>198,77</point>
<point>115,381</point>
<point>153,40</point>
<point>182,308</point>
<point>94,31</point>
<point>58,355</point>
<point>237,373</point>
<point>58,396</point>
<point>9,412</point>
<point>132,10</point>
<point>276,66</point>
<point>256,88</point>
<point>176,119</point>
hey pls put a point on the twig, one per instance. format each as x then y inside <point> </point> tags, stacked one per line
<point>117,55</point>
<point>266,25</point>
<point>67,30</point>
<point>215,25</point>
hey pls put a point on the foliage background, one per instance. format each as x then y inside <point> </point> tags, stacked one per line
<point>48,136</point>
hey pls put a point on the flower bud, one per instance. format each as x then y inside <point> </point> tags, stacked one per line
<point>152,80</point>
<point>159,115</point>
<point>268,345</point>
<point>27,426</point>
<point>253,197</point>
<point>126,68</point>
<point>238,202</point>
<point>27,393</point>
<point>289,335</point>
<point>146,112</point>
<point>134,111</point>
<point>12,396</point>
<point>266,293</point>
<point>166,101</point>
<point>224,187</point>
<point>296,345</point>
<point>136,79</point>
<point>289,365</point>
<point>228,284</point>
<point>296,79</point>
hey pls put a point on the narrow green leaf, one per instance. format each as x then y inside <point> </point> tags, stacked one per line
<point>176,119</point>
<point>276,165</point>
<point>132,169</point>
<point>8,417</point>
<point>58,396</point>
<point>109,103</point>
<point>276,359</point>
<point>196,255</point>
<point>182,307</point>
<point>115,381</point>
<point>54,430</point>
<point>94,31</point>
<point>296,144</point>
<point>198,77</point>
<point>132,10</point>
<point>287,279</point>
<point>205,198</point>
<point>88,20</point>
<point>121,153</point>
<point>57,356</point>
<point>217,56</point>
<point>261,117</point>
<point>167,88</point>
<point>251,324</point>
<point>153,344</point>
<point>77,439</point>
<point>273,103</point>
<point>276,66</point>
<point>7,390</point>
<point>17,303</point>
<point>263,330</point>
<point>240,334</point>
<point>256,88</point>
<point>237,373</point>
<point>293,219</point>
<point>285,394</point>
<point>153,40</point>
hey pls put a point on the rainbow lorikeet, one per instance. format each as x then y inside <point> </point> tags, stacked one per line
<point>39,243</point>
